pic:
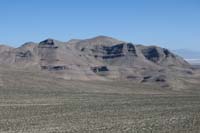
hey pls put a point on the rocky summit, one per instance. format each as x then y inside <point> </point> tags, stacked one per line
<point>99,58</point>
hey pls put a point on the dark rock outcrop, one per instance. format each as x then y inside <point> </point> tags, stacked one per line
<point>49,43</point>
<point>26,54</point>
<point>99,69</point>
<point>53,68</point>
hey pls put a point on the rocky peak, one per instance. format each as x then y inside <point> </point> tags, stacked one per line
<point>29,43</point>
<point>99,41</point>
<point>48,43</point>
<point>162,56</point>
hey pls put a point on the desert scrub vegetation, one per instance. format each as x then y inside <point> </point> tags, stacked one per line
<point>100,112</point>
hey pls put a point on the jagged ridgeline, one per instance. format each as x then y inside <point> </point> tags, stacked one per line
<point>99,58</point>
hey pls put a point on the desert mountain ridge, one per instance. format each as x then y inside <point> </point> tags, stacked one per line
<point>99,58</point>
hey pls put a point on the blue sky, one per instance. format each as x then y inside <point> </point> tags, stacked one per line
<point>174,24</point>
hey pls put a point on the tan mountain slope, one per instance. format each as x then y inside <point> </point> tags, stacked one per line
<point>99,58</point>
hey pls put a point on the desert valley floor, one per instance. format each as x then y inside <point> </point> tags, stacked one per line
<point>39,103</point>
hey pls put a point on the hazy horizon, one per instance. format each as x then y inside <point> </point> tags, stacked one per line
<point>170,24</point>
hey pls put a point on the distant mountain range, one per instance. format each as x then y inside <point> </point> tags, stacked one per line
<point>188,54</point>
<point>193,57</point>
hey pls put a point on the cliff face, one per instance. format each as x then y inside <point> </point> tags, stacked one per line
<point>99,58</point>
